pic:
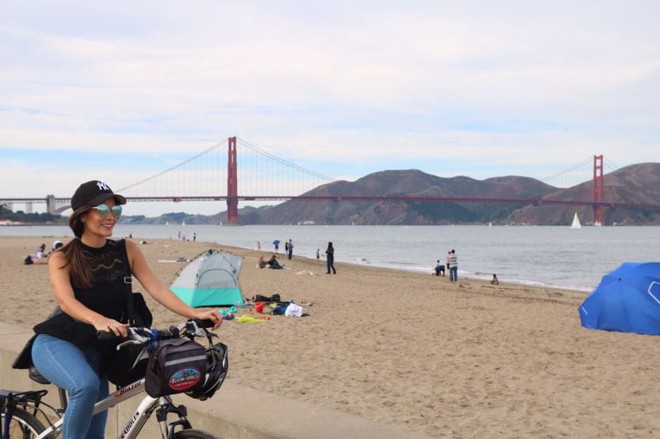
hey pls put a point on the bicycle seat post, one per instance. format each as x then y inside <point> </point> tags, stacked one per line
<point>63,398</point>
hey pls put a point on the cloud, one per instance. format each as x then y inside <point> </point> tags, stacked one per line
<point>347,88</point>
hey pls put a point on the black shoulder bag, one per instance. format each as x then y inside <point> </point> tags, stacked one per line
<point>127,364</point>
<point>61,325</point>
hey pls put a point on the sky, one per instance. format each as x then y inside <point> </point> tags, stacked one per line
<point>120,90</point>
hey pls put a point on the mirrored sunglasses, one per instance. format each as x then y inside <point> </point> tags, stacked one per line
<point>104,210</point>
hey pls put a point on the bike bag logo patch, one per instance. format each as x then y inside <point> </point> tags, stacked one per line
<point>184,379</point>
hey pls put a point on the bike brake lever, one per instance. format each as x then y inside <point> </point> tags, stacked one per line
<point>138,336</point>
<point>141,334</point>
<point>128,342</point>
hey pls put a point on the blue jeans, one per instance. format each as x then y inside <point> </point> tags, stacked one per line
<point>330,264</point>
<point>453,274</point>
<point>77,371</point>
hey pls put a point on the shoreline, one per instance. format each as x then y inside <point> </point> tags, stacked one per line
<point>409,267</point>
<point>480,277</point>
<point>464,360</point>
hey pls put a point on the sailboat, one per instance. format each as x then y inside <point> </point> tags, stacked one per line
<point>576,222</point>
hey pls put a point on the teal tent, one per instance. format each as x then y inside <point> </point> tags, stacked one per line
<point>211,279</point>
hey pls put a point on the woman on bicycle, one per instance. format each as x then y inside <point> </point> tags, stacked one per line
<point>87,277</point>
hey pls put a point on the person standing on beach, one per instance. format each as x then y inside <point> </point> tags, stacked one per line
<point>453,270</point>
<point>87,278</point>
<point>448,263</point>
<point>289,250</point>
<point>330,259</point>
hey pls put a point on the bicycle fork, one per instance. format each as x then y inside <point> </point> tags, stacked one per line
<point>166,408</point>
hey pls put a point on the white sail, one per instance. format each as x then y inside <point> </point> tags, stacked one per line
<point>576,222</point>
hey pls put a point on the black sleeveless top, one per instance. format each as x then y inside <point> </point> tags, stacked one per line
<point>108,295</point>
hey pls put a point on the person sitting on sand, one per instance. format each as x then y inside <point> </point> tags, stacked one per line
<point>494,280</point>
<point>37,257</point>
<point>273,263</point>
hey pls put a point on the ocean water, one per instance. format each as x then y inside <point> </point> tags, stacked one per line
<point>538,255</point>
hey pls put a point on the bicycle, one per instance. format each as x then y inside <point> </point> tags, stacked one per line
<point>23,411</point>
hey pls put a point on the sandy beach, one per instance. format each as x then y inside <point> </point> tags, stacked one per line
<point>465,360</point>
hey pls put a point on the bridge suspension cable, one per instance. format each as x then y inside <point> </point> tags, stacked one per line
<point>570,170</point>
<point>578,173</point>
<point>286,163</point>
<point>172,168</point>
<point>611,165</point>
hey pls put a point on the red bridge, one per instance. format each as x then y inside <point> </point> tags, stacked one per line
<point>262,173</point>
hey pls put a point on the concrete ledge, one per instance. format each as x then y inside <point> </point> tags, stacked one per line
<point>234,412</point>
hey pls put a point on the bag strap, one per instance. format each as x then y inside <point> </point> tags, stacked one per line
<point>128,281</point>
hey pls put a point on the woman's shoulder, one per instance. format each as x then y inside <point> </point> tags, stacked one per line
<point>129,244</point>
<point>57,258</point>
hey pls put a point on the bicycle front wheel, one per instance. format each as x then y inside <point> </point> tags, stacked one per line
<point>22,425</point>
<point>194,434</point>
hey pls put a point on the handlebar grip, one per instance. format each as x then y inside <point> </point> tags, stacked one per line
<point>206,323</point>
<point>106,335</point>
<point>172,332</point>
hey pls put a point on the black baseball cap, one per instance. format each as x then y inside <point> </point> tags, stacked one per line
<point>92,193</point>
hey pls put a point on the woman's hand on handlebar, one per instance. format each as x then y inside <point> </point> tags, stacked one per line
<point>211,315</point>
<point>113,326</point>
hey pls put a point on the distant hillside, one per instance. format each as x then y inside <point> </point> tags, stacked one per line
<point>408,182</point>
<point>638,184</point>
<point>7,216</point>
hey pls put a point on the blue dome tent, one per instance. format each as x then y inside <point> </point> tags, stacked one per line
<point>626,300</point>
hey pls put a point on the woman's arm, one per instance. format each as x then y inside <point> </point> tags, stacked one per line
<point>60,281</point>
<point>160,292</point>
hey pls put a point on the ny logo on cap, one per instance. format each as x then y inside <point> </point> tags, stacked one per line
<point>102,186</point>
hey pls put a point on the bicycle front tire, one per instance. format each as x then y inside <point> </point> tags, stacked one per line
<point>193,434</point>
<point>22,425</point>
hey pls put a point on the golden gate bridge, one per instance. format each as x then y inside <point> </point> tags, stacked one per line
<point>213,175</point>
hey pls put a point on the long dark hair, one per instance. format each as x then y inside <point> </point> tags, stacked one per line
<point>79,271</point>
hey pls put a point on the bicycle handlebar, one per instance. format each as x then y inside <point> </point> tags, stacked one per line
<point>139,335</point>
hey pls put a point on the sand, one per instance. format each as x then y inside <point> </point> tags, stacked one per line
<point>465,360</point>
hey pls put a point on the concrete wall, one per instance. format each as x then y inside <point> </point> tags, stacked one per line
<point>235,412</point>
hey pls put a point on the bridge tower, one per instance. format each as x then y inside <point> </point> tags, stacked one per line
<point>232,182</point>
<point>51,205</point>
<point>598,210</point>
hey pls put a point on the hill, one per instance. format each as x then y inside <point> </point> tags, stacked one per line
<point>410,183</point>
<point>639,184</point>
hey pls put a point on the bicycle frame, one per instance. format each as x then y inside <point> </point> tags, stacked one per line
<point>163,406</point>
<point>139,418</point>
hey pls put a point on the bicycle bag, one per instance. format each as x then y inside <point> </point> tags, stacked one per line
<point>175,366</point>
